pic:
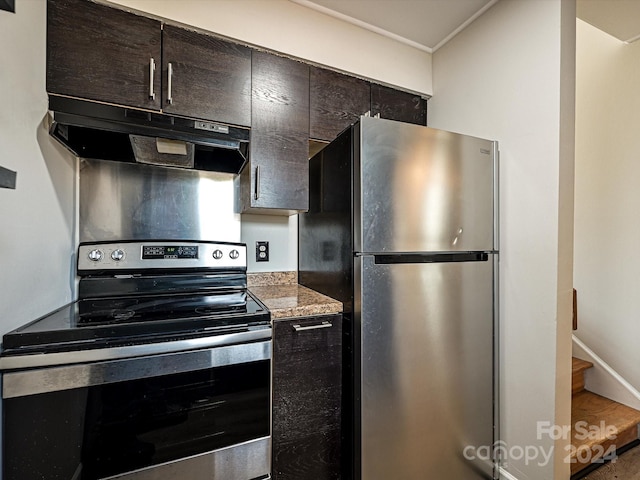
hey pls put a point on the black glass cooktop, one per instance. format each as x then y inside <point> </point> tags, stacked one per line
<point>110,311</point>
<point>133,319</point>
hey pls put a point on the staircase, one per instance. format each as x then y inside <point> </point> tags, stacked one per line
<point>599,426</point>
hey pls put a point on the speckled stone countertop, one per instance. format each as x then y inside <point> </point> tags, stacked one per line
<point>284,298</point>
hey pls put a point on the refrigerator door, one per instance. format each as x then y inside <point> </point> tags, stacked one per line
<point>426,353</point>
<point>422,189</point>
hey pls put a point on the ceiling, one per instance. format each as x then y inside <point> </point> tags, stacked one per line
<point>429,24</point>
<point>424,24</point>
<point>619,18</point>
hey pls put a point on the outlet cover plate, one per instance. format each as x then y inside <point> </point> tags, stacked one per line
<point>262,251</point>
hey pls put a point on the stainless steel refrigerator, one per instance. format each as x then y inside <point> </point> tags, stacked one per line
<point>402,228</point>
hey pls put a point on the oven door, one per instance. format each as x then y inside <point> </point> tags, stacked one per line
<point>200,414</point>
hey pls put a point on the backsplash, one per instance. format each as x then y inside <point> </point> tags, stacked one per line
<point>130,201</point>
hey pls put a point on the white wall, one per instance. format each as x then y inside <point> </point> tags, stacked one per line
<point>37,219</point>
<point>295,30</point>
<point>282,234</point>
<point>510,77</point>
<point>607,230</point>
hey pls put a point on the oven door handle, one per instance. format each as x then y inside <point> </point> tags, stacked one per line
<point>53,379</point>
<point>20,362</point>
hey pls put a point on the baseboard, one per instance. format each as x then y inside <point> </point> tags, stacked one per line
<point>604,380</point>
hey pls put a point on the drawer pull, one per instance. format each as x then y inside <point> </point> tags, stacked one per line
<point>300,328</point>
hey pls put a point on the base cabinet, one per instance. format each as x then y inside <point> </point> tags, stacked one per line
<point>307,395</point>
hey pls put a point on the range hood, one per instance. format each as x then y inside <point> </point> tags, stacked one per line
<point>107,132</point>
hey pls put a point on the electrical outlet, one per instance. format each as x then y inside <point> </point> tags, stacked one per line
<point>262,251</point>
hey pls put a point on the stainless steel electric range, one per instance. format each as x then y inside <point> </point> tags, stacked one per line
<point>161,369</point>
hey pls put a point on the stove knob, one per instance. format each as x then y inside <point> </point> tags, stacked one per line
<point>95,255</point>
<point>234,254</point>
<point>117,255</point>
<point>217,254</point>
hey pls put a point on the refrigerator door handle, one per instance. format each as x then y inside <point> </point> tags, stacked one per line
<point>384,259</point>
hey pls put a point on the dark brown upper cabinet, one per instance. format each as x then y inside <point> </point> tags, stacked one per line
<point>276,179</point>
<point>205,77</point>
<point>336,101</point>
<point>398,105</point>
<point>106,54</point>
<point>102,53</point>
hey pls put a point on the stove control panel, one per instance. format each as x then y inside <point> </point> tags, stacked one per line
<point>169,251</point>
<point>161,255</point>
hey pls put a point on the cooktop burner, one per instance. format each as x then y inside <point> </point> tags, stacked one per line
<point>108,311</point>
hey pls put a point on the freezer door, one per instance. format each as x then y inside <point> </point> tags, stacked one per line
<point>426,354</point>
<point>422,189</point>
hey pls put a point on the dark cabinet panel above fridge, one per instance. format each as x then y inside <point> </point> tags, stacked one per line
<point>397,105</point>
<point>336,101</point>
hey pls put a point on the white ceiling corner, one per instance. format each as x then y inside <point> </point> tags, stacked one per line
<point>429,24</point>
<point>618,18</point>
<point>422,24</point>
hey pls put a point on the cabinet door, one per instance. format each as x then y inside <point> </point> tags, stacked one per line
<point>335,101</point>
<point>279,153</point>
<point>397,105</point>
<point>307,379</point>
<point>205,77</point>
<point>102,53</point>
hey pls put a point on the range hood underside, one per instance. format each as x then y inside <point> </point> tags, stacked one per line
<point>104,132</point>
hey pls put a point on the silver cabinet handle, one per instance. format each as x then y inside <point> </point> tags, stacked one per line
<point>256,194</point>
<point>169,78</point>
<point>300,328</point>
<point>152,72</point>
